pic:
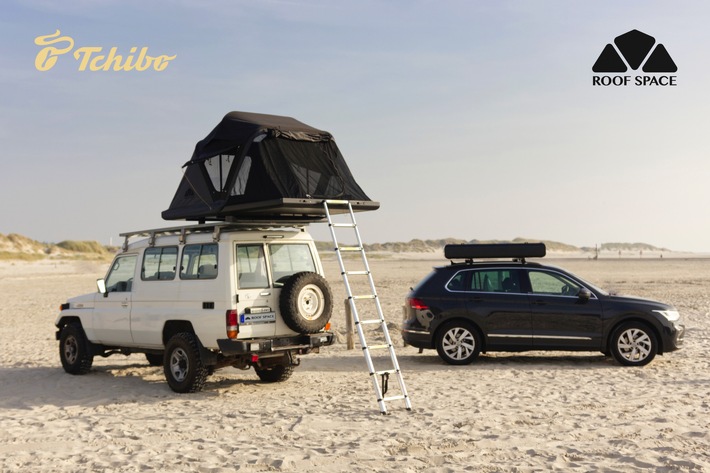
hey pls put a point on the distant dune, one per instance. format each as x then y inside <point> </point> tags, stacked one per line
<point>14,246</point>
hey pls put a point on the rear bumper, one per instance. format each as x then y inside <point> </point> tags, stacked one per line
<point>417,337</point>
<point>299,343</point>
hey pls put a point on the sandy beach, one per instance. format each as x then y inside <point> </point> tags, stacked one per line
<point>506,412</point>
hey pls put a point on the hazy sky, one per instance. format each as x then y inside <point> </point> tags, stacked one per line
<point>467,119</point>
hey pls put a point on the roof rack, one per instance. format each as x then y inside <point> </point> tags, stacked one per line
<point>495,250</point>
<point>216,228</point>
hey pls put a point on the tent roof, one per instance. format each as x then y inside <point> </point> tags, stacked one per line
<point>238,128</point>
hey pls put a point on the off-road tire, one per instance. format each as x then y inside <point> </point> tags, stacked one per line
<point>274,374</point>
<point>633,344</point>
<point>306,302</point>
<point>182,364</point>
<point>74,350</point>
<point>458,343</point>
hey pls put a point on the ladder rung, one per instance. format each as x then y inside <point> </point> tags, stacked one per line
<point>394,398</point>
<point>373,321</point>
<point>384,371</point>
<point>349,248</point>
<point>368,296</point>
<point>337,202</point>
<point>348,225</point>
<point>361,273</point>
<point>375,347</point>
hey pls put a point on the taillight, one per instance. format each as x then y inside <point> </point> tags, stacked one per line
<point>327,327</point>
<point>417,304</point>
<point>232,324</point>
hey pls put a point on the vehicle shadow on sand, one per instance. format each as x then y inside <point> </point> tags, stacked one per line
<point>31,387</point>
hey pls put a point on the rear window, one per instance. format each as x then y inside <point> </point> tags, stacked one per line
<point>289,259</point>
<point>495,280</point>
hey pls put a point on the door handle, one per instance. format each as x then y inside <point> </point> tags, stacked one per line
<point>124,304</point>
<point>476,299</point>
<point>538,302</point>
<point>266,293</point>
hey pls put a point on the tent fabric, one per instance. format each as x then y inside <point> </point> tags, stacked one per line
<point>277,161</point>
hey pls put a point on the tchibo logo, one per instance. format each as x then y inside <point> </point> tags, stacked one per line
<point>633,50</point>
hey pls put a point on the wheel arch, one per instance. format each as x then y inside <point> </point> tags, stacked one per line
<point>173,327</point>
<point>445,322</point>
<point>68,319</point>
<point>640,320</point>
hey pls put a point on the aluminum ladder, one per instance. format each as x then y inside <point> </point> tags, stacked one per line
<point>382,387</point>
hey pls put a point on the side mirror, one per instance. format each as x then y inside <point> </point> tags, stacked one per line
<point>584,294</point>
<point>101,284</point>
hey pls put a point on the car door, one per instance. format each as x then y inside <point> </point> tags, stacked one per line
<point>111,319</point>
<point>256,299</point>
<point>561,319</point>
<point>497,304</point>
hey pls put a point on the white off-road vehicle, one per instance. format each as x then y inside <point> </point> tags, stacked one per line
<point>201,297</point>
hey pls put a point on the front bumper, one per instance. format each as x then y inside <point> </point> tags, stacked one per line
<point>299,343</point>
<point>677,335</point>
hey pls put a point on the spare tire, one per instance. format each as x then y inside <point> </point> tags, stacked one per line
<point>306,302</point>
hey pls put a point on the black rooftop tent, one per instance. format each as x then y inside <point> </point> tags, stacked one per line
<point>264,167</point>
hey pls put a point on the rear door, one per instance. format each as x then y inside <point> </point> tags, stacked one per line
<point>257,302</point>
<point>496,302</point>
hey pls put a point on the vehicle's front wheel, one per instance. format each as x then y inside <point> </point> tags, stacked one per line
<point>458,343</point>
<point>633,344</point>
<point>182,364</point>
<point>74,350</point>
<point>274,374</point>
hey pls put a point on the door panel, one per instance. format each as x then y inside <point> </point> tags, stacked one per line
<point>256,299</point>
<point>496,302</point>
<point>111,319</point>
<point>561,319</point>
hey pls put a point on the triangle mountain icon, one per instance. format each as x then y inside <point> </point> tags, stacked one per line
<point>609,61</point>
<point>660,61</point>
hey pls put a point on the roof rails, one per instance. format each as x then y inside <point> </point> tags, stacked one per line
<point>495,250</point>
<point>215,227</point>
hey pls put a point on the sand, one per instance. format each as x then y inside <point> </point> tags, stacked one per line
<point>535,411</point>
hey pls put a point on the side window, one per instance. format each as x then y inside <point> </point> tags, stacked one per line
<point>120,278</point>
<point>289,259</point>
<point>199,262</point>
<point>251,267</point>
<point>554,284</point>
<point>457,283</point>
<point>159,264</point>
<point>496,280</point>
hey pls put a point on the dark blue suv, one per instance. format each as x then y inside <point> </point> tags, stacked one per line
<point>470,307</point>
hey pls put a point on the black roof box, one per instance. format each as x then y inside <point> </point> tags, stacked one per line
<point>495,250</point>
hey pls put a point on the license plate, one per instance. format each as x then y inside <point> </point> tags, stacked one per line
<point>263,318</point>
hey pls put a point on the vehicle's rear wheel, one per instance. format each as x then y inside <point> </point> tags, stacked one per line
<point>182,364</point>
<point>458,343</point>
<point>633,344</point>
<point>274,374</point>
<point>306,302</point>
<point>74,350</point>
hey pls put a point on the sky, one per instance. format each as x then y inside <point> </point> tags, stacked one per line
<point>467,119</point>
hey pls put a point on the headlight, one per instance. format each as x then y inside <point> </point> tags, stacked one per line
<point>671,315</point>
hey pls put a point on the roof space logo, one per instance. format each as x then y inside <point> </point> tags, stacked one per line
<point>634,50</point>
